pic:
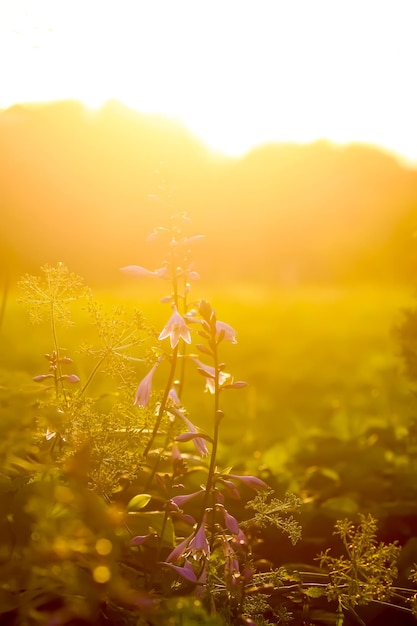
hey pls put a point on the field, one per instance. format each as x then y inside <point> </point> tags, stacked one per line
<point>327,413</point>
<point>313,357</point>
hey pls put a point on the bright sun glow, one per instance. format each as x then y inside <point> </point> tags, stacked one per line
<point>237,73</point>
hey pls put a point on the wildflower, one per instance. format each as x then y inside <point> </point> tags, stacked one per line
<point>187,240</point>
<point>180,500</point>
<point>251,481</point>
<point>186,571</point>
<point>173,397</point>
<point>184,517</point>
<point>140,539</point>
<point>209,372</point>
<point>231,488</point>
<point>175,328</point>
<point>42,377</point>
<point>138,270</point>
<point>175,453</point>
<point>195,545</point>
<point>70,378</point>
<point>231,522</point>
<point>199,442</point>
<point>191,275</point>
<point>143,392</point>
<point>179,550</point>
<point>199,544</point>
<point>228,333</point>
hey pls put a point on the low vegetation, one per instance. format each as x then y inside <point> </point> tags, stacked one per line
<point>230,457</point>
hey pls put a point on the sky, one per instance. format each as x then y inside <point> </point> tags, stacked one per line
<point>236,73</point>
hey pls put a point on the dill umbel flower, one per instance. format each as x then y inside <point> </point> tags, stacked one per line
<point>175,329</point>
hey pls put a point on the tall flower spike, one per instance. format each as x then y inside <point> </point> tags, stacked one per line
<point>143,392</point>
<point>175,328</point>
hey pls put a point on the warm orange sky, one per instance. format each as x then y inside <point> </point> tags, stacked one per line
<point>236,72</point>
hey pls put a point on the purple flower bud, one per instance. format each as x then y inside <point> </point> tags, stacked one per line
<point>188,240</point>
<point>140,539</point>
<point>70,378</point>
<point>41,377</point>
<point>239,384</point>
<point>173,397</point>
<point>251,481</point>
<point>66,360</point>
<point>231,522</point>
<point>198,441</point>
<point>136,270</point>
<point>231,488</point>
<point>175,453</point>
<point>184,517</point>
<point>180,500</point>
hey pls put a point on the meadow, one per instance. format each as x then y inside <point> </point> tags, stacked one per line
<point>314,356</point>
<point>327,415</point>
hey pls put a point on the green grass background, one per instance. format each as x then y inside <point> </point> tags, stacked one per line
<point>316,357</point>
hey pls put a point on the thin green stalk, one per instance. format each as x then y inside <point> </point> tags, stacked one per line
<point>57,352</point>
<point>92,374</point>
<point>163,402</point>
<point>217,419</point>
<point>183,354</point>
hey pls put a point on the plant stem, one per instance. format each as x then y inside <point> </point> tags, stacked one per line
<point>217,418</point>
<point>58,360</point>
<point>163,402</point>
<point>92,374</point>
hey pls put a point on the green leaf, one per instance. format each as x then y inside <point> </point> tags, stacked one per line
<point>138,502</point>
<point>226,470</point>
